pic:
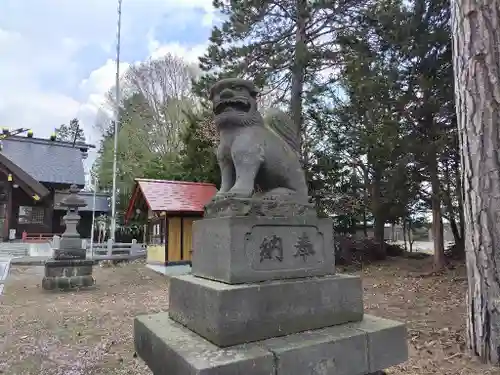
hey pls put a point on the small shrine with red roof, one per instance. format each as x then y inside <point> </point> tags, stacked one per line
<point>171,208</point>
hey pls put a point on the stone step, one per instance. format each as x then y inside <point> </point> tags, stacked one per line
<point>6,247</point>
<point>13,248</point>
<point>14,252</point>
<point>233,314</point>
<point>364,347</point>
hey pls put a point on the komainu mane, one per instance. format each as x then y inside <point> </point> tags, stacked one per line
<point>256,159</point>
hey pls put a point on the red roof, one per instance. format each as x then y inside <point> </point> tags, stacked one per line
<point>173,196</point>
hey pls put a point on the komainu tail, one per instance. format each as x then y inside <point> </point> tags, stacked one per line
<point>283,125</point>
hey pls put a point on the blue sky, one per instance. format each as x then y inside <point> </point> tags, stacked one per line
<point>57,56</point>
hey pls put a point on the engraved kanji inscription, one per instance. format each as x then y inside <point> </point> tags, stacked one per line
<point>271,248</point>
<point>304,247</point>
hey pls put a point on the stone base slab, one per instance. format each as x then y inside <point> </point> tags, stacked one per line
<point>70,247</point>
<point>228,315</point>
<point>253,249</point>
<point>67,273</point>
<point>51,283</point>
<point>68,267</point>
<point>279,206</point>
<point>373,344</point>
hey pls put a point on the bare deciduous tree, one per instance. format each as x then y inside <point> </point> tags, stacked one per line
<point>165,85</point>
<point>153,98</point>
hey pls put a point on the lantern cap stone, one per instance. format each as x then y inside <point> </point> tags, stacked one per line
<point>73,200</point>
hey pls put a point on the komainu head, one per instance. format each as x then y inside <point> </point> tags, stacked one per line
<point>234,103</point>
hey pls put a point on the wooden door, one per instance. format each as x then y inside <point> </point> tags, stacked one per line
<point>187,237</point>
<point>174,239</point>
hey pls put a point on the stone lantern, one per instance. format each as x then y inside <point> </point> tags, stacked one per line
<point>69,268</point>
<point>71,243</point>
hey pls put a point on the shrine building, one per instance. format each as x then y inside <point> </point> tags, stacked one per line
<point>169,208</point>
<point>35,176</point>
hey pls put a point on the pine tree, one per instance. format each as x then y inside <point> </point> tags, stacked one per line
<point>70,132</point>
<point>282,45</point>
<point>198,161</point>
<point>476,69</point>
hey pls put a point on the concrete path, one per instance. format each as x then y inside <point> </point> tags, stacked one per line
<point>170,270</point>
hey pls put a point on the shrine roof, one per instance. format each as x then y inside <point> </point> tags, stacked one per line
<point>102,201</point>
<point>47,161</point>
<point>172,196</point>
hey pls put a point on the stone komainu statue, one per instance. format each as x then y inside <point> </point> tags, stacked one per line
<point>256,159</point>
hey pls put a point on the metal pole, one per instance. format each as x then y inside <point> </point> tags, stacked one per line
<point>93,219</point>
<point>117,118</point>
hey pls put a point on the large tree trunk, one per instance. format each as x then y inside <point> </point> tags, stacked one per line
<point>410,234</point>
<point>437,219</point>
<point>404,233</point>
<point>460,201</point>
<point>450,209</point>
<point>378,210</point>
<point>476,60</point>
<point>298,71</point>
<point>366,183</point>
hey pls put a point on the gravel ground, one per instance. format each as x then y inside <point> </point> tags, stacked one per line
<point>90,332</point>
<point>76,333</point>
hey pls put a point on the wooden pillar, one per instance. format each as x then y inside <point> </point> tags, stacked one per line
<point>165,238</point>
<point>181,250</point>
<point>5,218</point>
<point>49,212</point>
<point>5,208</point>
<point>8,210</point>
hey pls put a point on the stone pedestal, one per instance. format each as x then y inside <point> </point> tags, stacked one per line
<point>67,273</point>
<point>250,249</point>
<point>263,298</point>
<point>234,314</point>
<point>359,348</point>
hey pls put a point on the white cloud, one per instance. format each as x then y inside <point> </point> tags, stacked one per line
<point>188,53</point>
<point>24,103</point>
<point>100,81</point>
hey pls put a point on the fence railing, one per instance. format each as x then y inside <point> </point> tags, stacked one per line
<point>109,250</point>
<point>37,237</point>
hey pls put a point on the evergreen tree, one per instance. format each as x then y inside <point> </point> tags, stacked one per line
<point>197,159</point>
<point>195,162</point>
<point>70,132</point>
<point>476,63</point>
<point>398,114</point>
<point>281,45</point>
